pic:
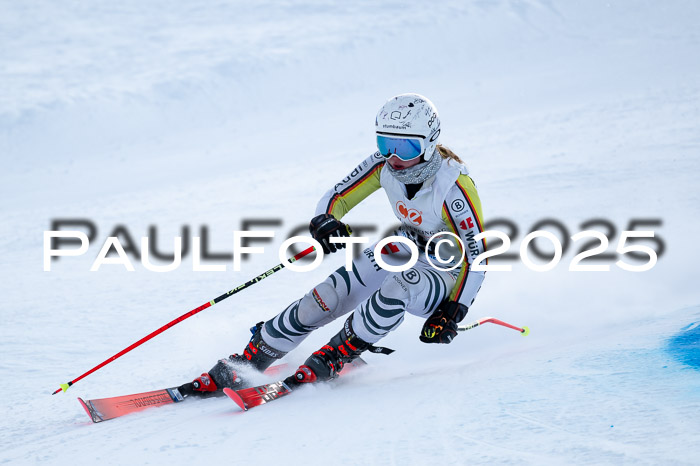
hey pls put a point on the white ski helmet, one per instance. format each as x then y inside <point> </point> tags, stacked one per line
<point>408,126</point>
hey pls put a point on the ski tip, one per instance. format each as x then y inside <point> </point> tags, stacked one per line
<point>236,398</point>
<point>525,332</point>
<point>359,362</point>
<point>87,410</point>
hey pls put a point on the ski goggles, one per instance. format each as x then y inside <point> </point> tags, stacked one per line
<point>404,147</point>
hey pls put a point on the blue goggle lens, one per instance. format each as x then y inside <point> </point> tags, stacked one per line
<point>403,148</point>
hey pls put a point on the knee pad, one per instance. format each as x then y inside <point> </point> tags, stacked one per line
<point>318,304</point>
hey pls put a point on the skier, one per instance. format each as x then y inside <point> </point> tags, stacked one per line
<point>430,192</point>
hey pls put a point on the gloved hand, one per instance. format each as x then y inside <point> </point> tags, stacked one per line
<point>323,227</point>
<point>441,326</point>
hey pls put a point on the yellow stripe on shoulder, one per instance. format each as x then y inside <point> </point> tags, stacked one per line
<point>468,187</point>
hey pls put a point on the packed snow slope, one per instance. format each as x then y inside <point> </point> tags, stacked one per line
<point>198,113</point>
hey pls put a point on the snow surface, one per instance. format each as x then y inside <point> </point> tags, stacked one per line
<point>206,113</point>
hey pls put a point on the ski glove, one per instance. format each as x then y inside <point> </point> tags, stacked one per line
<point>441,326</point>
<point>323,227</point>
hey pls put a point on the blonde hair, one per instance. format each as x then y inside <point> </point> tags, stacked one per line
<point>446,153</point>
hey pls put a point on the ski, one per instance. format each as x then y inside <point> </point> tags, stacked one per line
<point>247,398</point>
<point>255,396</point>
<point>104,409</point>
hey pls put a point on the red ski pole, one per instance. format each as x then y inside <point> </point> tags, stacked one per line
<point>525,331</point>
<point>278,267</point>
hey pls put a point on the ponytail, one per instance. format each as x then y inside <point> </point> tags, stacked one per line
<point>446,153</point>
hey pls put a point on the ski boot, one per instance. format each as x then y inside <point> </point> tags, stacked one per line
<point>326,363</point>
<point>257,355</point>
